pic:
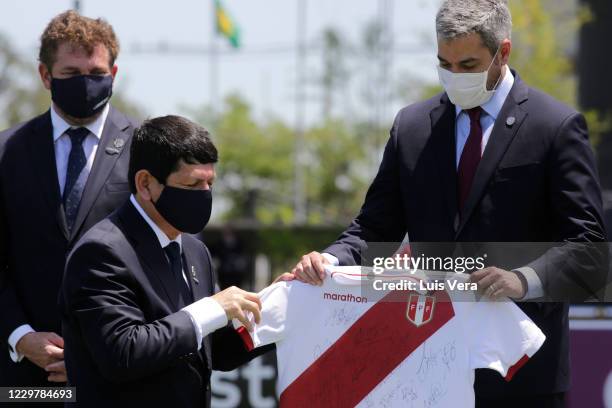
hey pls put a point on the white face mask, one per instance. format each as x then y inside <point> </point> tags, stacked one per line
<point>467,90</point>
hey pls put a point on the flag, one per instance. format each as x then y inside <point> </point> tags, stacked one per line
<point>226,26</point>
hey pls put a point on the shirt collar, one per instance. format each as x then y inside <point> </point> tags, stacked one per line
<point>60,126</point>
<point>163,239</point>
<point>495,104</point>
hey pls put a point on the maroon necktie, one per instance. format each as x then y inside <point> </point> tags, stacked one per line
<point>470,157</point>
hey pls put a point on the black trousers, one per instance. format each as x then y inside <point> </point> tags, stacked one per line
<point>535,401</point>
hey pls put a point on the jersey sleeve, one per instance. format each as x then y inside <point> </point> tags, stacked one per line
<point>273,325</point>
<point>502,337</point>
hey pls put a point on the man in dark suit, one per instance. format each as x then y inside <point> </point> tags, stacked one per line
<point>142,316</point>
<point>60,173</point>
<point>489,160</point>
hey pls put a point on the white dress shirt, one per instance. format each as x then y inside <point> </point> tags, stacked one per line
<point>206,314</point>
<point>490,111</point>
<point>62,146</point>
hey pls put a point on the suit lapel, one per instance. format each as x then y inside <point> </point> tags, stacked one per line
<point>42,151</point>
<point>499,140</point>
<point>442,133</point>
<point>150,252</point>
<point>109,150</point>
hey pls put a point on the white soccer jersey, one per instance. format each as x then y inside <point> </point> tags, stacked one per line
<point>337,348</point>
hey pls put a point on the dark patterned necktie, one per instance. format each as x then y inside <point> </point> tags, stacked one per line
<point>173,251</point>
<point>470,157</point>
<point>76,163</point>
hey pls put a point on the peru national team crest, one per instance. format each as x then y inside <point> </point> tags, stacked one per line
<point>420,309</point>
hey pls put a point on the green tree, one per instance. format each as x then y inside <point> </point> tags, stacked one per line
<point>537,53</point>
<point>255,165</point>
<point>21,95</point>
<point>542,30</point>
<point>337,175</point>
<point>255,169</point>
<point>335,75</point>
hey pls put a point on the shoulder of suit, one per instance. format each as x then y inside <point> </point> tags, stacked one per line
<point>192,243</point>
<point>420,109</point>
<point>13,133</point>
<point>26,124</point>
<point>104,234</point>
<point>547,106</point>
<point>126,119</point>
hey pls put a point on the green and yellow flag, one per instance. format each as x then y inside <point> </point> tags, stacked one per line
<point>226,26</point>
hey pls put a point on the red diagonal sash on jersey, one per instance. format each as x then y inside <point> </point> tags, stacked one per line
<point>365,354</point>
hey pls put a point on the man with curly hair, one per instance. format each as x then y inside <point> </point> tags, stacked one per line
<point>60,173</point>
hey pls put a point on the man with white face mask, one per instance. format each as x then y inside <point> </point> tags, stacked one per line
<point>488,160</point>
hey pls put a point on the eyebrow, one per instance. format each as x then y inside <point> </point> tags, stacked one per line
<point>70,68</point>
<point>468,60</point>
<point>199,179</point>
<point>465,61</point>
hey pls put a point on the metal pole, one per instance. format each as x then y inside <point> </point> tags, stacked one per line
<point>76,5</point>
<point>387,60</point>
<point>383,93</point>
<point>299,180</point>
<point>214,63</point>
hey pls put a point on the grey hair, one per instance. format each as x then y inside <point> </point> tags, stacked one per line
<point>489,18</point>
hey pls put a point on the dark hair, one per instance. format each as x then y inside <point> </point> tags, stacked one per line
<point>75,29</point>
<point>159,144</point>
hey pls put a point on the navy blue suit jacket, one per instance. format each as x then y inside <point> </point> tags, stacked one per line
<point>34,239</point>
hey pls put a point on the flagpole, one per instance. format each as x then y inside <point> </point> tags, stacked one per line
<point>214,63</point>
<point>299,189</point>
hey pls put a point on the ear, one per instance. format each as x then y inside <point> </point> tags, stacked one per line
<point>45,75</point>
<point>505,50</point>
<point>144,182</point>
<point>114,70</point>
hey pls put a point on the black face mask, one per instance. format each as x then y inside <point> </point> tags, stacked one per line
<point>185,209</point>
<point>82,96</point>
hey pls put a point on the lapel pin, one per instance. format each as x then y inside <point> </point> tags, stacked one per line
<point>118,143</point>
<point>510,121</point>
<point>116,147</point>
<point>193,275</point>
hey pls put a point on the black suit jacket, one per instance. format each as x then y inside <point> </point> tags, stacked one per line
<point>536,182</point>
<point>34,239</point>
<point>126,337</point>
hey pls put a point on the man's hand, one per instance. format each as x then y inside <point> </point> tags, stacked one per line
<point>286,277</point>
<point>43,349</point>
<point>311,268</point>
<point>496,283</point>
<point>236,302</point>
<point>57,372</point>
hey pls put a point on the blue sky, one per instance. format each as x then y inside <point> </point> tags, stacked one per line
<point>163,84</point>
